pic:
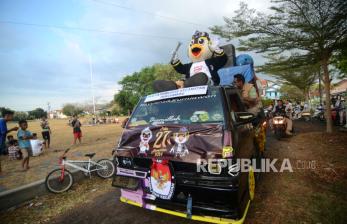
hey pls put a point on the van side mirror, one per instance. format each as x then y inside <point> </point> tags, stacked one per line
<point>124,122</point>
<point>244,117</point>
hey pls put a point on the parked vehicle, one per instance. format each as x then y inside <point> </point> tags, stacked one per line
<point>306,115</point>
<point>61,179</point>
<point>319,113</point>
<point>166,139</point>
<point>297,112</point>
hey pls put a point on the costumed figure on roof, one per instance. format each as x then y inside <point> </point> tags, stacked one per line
<point>206,58</point>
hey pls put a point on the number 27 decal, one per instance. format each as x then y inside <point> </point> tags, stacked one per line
<point>162,139</point>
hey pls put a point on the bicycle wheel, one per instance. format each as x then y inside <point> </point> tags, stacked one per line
<point>108,170</point>
<point>57,183</point>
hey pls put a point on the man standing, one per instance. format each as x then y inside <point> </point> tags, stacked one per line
<point>289,109</point>
<point>46,132</point>
<point>7,116</point>
<point>249,94</point>
<point>77,132</point>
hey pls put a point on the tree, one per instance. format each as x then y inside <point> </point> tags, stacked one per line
<point>70,110</point>
<point>37,113</point>
<point>139,84</point>
<point>340,62</point>
<point>127,101</point>
<point>292,72</point>
<point>314,29</point>
<point>291,92</point>
<point>115,109</point>
<point>19,115</point>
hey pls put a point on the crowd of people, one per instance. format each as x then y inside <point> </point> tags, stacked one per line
<point>293,110</point>
<point>25,143</point>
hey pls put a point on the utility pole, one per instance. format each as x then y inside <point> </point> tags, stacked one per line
<point>48,110</point>
<point>91,82</point>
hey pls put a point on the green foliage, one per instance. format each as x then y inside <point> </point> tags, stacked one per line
<point>292,72</point>
<point>266,102</point>
<point>139,84</point>
<point>313,28</point>
<point>340,62</point>
<point>37,113</point>
<point>291,92</point>
<point>115,109</point>
<point>311,31</point>
<point>20,115</point>
<point>70,110</point>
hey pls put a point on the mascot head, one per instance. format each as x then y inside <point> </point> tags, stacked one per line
<point>199,47</point>
<point>182,135</point>
<point>146,135</point>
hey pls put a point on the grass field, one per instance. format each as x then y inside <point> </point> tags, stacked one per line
<point>100,139</point>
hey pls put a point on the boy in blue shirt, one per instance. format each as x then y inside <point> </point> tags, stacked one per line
<point>24,137</point>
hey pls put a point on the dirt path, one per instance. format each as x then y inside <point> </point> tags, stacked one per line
<point>314,193</point>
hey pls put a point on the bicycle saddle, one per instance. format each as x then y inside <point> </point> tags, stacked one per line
<point>90,155</point>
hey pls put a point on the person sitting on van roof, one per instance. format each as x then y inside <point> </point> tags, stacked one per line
<point>248,93</point>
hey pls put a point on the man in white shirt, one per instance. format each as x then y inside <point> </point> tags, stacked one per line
<point>289,109</point>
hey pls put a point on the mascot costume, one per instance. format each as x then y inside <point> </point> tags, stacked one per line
<point>206,58</point>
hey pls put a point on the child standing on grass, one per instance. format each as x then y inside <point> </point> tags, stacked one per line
<point>24,137</point>
<point>77,132</point>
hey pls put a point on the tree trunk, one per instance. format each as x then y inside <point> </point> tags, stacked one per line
<point>326,81</point>
<point>320,88</point>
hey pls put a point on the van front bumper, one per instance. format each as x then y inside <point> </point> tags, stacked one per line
<point>210,219</point>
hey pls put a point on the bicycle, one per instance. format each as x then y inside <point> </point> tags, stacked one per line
<point>61,179</point>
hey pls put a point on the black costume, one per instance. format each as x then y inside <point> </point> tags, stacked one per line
<point>211,65</point>
<point>206,60</point>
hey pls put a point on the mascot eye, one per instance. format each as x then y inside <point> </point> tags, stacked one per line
<point>201,41</point>
<point>191,42</point>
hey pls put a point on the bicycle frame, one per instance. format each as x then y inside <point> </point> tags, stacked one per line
<point>75,164</point>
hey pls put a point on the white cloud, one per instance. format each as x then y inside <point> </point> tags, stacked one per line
<point>67,74</point>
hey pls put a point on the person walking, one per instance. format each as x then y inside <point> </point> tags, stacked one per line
<point>77,132</point>
<point>46,132</point>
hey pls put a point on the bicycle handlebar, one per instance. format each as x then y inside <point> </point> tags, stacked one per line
<point>66,151</point>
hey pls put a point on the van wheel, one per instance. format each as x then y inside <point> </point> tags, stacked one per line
<point>251,183</point>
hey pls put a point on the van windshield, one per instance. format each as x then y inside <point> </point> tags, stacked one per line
<point>188,110</point>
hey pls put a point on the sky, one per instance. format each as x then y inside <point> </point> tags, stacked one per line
<point>43,61</point>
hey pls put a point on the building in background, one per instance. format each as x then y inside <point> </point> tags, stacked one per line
<point>339,87</point>
<point>271,90</point>
<point>56,114</point>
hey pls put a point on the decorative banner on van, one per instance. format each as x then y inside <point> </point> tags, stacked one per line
<point>162,184</point>
<point>191,91</point>
<point>173,142</point>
